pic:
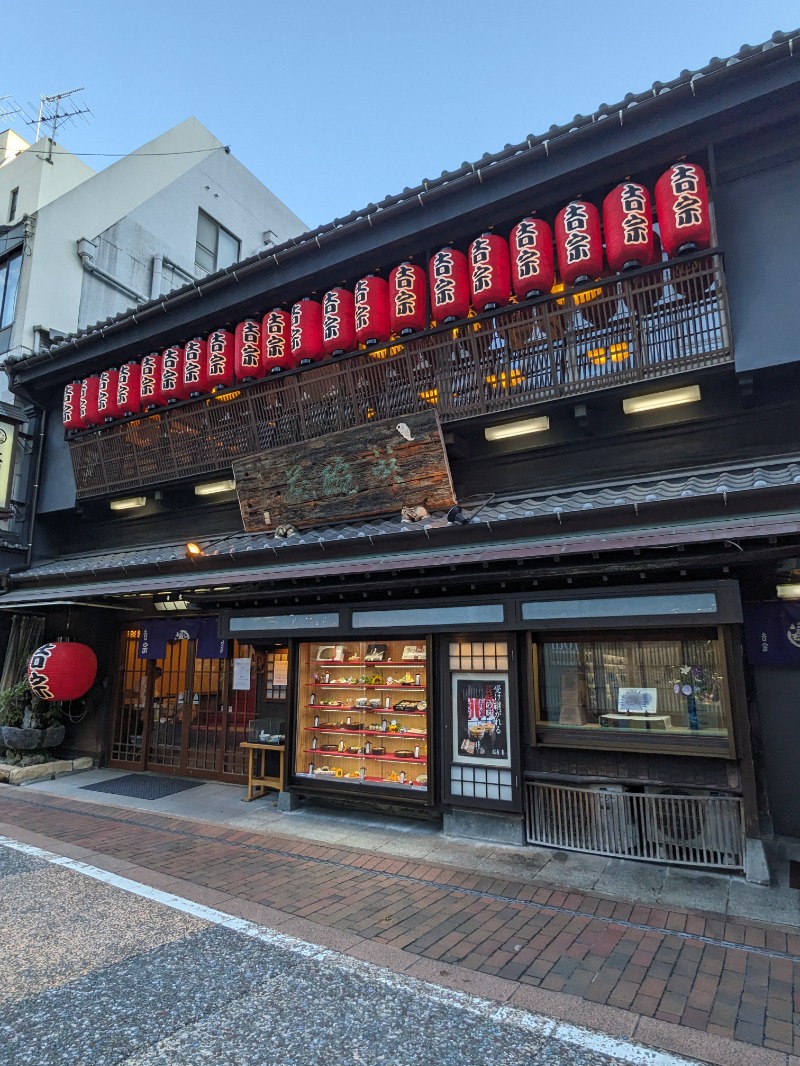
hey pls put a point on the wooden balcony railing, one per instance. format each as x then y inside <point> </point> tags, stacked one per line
<point>650,324</point>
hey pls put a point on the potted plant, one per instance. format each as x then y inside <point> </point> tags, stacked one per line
<point>28,724</point>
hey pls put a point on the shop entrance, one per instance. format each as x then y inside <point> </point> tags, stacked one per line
<point>187,715</point>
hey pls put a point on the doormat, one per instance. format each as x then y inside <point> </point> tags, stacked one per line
<point>142,786</point>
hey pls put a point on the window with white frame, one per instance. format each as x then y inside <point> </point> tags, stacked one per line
<point>216,247</point>
<point>9,286</point>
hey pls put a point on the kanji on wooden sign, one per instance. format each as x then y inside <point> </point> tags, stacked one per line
<point>369,470</point>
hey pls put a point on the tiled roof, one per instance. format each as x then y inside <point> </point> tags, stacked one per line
<point>732,479</point>
<point>466,172</point>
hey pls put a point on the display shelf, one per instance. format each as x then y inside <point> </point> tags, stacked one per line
<point>352,755</point>
<point>356,677</point>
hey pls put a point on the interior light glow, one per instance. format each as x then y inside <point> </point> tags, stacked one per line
<point>517,429</point>
<point>788,592</point>
<point>654,401</point>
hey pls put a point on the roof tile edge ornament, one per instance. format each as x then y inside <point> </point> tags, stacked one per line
<point>714,65</point>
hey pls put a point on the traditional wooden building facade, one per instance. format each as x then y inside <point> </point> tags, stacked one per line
<point>488,562</point>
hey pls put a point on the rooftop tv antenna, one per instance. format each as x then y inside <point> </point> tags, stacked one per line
<point>52,114</point>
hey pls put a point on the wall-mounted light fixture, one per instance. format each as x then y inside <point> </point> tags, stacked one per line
<point>654,401</point>
<point>193,550</point>
<point>517,429</point>
<point>788,592</point>
<point>171,602</point>
<point>127,503</point>
<point>212,488</point>
<point>456,516</point>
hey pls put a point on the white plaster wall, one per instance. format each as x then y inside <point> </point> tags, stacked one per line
<point>38,181</point>
<point>166,225</point>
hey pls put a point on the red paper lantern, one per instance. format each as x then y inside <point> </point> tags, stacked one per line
<point>150,382</point>
<point>89,415</point>
<point>72,406</point>
<point>307,332</point>
<point>129,398</point>
<point>220,359</point>
<point>172,360</point>
<point>338,322</point>
<point>531,246</point>
<point>276,341</point>
<point>195,368</point>
<point>628,226</point>
<point>489,272</point>
<point>408,310</point>
<point>448,276</point>
<point>372,310</point>
<point>107,402</point>
<point>248,359</point>
<point>62,671</point>
<point>579,242</point>
<point>684,218</point>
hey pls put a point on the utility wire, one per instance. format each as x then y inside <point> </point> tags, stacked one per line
<point>126,155</point>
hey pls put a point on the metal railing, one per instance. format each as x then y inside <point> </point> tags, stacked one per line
<point>658,826</point>
<point>649,324</point>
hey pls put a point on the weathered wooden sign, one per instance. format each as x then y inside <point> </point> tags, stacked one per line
<point>369,470</point>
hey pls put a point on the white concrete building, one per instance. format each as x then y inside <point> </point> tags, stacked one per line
<point>79,246</point>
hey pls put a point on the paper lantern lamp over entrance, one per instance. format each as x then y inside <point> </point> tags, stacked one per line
<point>62,671</point>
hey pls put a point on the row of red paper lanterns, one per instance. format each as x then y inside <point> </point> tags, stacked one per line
<point>378,310</point>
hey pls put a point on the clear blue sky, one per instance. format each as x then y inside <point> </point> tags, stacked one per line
<point>335,105</point>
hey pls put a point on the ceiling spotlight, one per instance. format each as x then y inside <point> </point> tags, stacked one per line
<point>456,516</point>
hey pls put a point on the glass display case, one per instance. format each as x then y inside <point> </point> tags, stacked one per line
<point>363,714</point>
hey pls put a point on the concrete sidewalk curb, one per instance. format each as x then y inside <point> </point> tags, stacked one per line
<point>609,1020</point>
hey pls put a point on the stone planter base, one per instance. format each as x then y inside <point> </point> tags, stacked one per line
<point>25,739</point>
<point>19,775</point>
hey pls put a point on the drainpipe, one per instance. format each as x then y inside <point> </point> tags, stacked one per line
<point>159,262</point>
<point>86,250</point>
<point>158,270</point>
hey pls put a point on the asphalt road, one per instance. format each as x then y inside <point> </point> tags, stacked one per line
<point>96,970</point>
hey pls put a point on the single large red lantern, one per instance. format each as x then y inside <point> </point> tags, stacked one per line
<point>220,359</point>
<point>684,218</point>
<point>448,276</point>
<point>307,332</point>
<point>195,368</point>
<point>372,310</point>
<point>579,242</point>
<point>531,246</point>
<point>338,322</point>
<point>129,398</point>
<point>408,304</point>
<point>172,360</point>
<point>628,226</point>
<point>150,382</point>
<point>72,406</point>
<point>62,671</point>
<point>248,360</point>
<point>489,272</point>
<point>107,401</point>
<point>89,414</point>
<point>276,340</point>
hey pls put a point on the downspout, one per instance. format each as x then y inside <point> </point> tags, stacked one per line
<point>159,262</point>
<point>86,250</point>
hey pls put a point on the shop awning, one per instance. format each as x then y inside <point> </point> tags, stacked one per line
<point>49,593</point>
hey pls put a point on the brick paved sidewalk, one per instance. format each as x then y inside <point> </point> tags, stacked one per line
<point>682,980</point>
